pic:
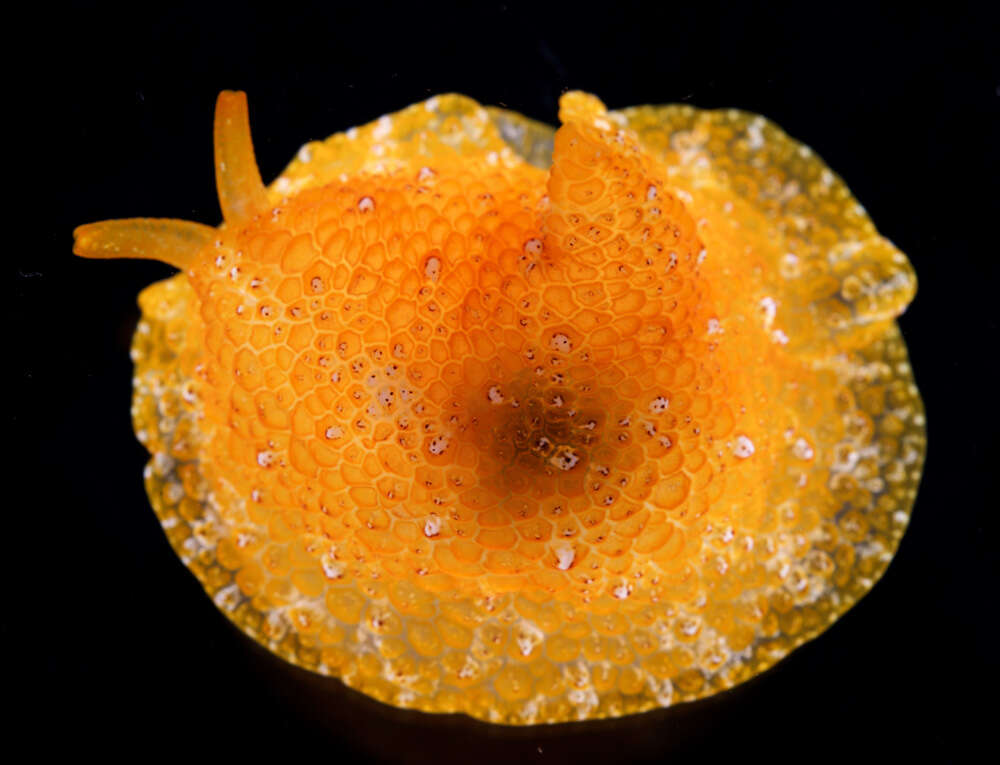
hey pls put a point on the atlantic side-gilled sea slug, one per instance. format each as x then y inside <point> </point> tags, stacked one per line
<point>535,425</point>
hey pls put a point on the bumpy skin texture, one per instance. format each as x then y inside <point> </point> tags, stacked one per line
<point>535,426</point>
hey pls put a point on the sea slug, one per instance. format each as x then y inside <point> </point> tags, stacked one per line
<point>534,425</point>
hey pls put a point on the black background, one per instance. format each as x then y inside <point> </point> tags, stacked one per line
<point>110,643</point>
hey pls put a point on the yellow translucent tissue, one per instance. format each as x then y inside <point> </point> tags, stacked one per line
<point>534,425</point>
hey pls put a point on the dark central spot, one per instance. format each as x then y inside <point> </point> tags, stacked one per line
<point>537,437</point>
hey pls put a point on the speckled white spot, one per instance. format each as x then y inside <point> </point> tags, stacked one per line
<point>533,246</point>
<point>561,342</point>
<point>228,597</point>
<point>432,527</point>
<point>659,405</point>
<point>743,447</point>
<point>173,492</point>
<point>432,268</point>
<point>622,591</point>
<point>438,445</point>
<point>564,558</point>
<point>802,449</point>
<point>769,308</point>
<point>331,568</point>
<point>565,458</point>
<point>382,128</point>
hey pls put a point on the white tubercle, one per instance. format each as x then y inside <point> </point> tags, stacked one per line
<point>564,558</point>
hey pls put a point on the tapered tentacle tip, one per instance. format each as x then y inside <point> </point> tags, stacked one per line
<point>231,103</point>
<point>86,241</point>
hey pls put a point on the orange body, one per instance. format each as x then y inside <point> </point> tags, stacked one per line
<point>533,426</point>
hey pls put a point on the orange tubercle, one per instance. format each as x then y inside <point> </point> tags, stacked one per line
<point>532,444</point>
